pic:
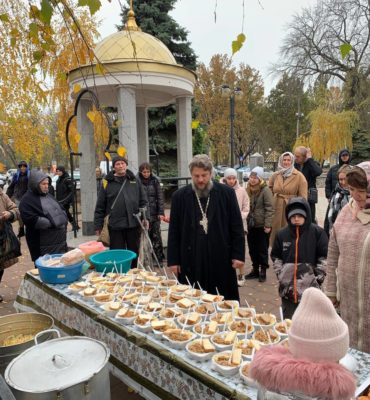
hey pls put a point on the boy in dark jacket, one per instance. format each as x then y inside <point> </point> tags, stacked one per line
<point>299,255</point>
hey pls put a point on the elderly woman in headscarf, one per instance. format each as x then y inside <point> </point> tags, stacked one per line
<point>348,263</point>
<point>286,183</point>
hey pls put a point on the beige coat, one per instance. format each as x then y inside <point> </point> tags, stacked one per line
<point>284,189</point>
<point>7,205</point>
<point>348,274</point>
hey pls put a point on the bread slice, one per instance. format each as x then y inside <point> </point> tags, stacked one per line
<point>208,346</point>
<point>230,337</point>
<point>236,357</point>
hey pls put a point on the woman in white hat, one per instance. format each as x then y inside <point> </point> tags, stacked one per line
<point>230,179</point>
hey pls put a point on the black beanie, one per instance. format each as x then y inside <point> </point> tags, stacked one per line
<point>61,168</point>
<point>119,158</point>
<point>22,163</point>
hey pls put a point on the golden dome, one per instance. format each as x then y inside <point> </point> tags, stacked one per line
<point>130,45</point>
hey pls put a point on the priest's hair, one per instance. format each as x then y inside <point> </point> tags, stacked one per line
<point>201,161</point>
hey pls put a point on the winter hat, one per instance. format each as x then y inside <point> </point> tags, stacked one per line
<point>317,332</point>
<point>119,158</point>
<point>61,168</point>
<point>258,171</point>
<point>22,163</point>
<point>295,211</point>
<point>230,172</point>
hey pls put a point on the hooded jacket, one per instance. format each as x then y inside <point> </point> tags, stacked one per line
<point>44,218</point>
<point>311,254</point>
<point>154,194</point>
<point>131,198</point>
<point>332,176</point>
<point>19,185</point>
<point>64,190</point>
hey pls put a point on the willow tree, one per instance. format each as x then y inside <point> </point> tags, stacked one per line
<point>329,132</point>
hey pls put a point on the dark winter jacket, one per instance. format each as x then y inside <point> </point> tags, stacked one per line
<point>51,187</point>
<point>155,196</point>
<point>131,198</point>
<point>19,185</point>
<point>261,206</point>
<point>44,218</point>
<point>311,170</point>
<point>312,253</point>
<point>224,242</point>
<point>332,177</point>
<point>64,190</point>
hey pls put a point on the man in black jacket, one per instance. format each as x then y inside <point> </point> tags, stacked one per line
<point>121,205</point>
<point>311,170</point>
<point>64,192</point>
<point>331,180</point>
<point>18,187</point>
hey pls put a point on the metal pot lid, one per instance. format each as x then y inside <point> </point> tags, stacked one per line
<point>57,364</point>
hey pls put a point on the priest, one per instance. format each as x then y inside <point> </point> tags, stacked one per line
<point>206,237</point>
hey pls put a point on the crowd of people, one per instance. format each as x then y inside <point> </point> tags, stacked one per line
<point>212,223</point>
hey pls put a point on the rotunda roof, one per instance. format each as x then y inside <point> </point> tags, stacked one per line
<point>129,45</point>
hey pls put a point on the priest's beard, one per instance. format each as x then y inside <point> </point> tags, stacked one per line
<point>202,193</point>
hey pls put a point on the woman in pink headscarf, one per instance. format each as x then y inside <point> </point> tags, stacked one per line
<point>348,262</point>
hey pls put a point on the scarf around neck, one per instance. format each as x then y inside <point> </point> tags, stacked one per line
<point>286,172</point>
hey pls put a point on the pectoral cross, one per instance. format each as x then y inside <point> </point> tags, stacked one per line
<point>204,223</point>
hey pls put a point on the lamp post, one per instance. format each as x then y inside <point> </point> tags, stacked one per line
<point>299,115</point>
<point>226,91</point>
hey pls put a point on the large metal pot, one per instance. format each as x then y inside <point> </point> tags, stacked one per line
<point>21,324</point>
<point>68,368</point>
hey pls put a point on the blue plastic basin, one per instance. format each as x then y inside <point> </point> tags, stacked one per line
<point>57,275</point>
<point>106,260</point>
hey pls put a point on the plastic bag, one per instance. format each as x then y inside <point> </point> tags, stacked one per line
<point>72,257</point>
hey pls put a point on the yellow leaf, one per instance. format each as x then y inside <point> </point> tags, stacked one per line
<point>91,116</point>
<point>107,154</point>
<point>100,69</point>
<point>194,124</point>
<point>77,138</point>
<point>76,88</point>
<point>121,151</point>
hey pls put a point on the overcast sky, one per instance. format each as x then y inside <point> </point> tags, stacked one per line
<point>264,26</point>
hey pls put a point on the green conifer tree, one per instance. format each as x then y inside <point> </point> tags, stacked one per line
<point>152,16</point>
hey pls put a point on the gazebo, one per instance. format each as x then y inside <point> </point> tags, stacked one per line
<point>139,72</point>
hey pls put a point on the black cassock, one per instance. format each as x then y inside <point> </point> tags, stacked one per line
<point>207,258</point>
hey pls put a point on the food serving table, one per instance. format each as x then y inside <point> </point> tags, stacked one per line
<point>142,361</point>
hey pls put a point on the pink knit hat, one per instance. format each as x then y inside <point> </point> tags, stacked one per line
<point>317,332</point>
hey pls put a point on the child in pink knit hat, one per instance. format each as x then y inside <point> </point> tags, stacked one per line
<point>318,339</point>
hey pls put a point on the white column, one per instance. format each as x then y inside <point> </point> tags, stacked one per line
<point>127,131</point>
<point>184,136</point>
<point>142,133</point>
<point>86,146</point>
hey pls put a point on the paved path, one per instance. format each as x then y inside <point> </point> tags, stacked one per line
<point>264,296</point>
